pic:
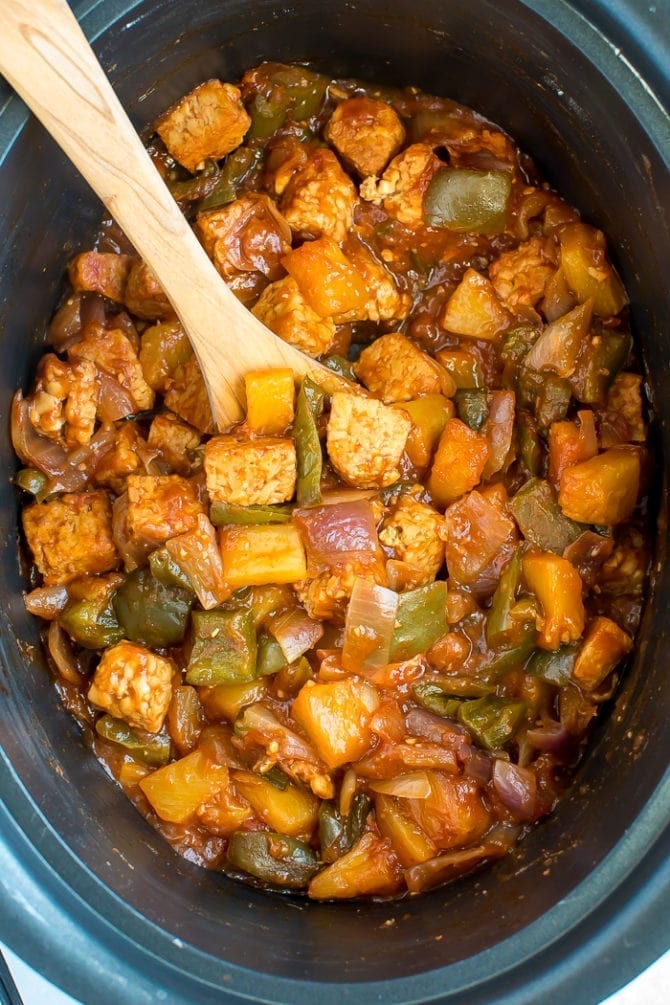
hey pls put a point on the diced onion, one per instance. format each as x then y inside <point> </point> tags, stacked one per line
<point>414,785</point>
<point>369,626</point>
<point>47,601</point>
<point>61,652</point>
<point>114,402</point>
<point>517,788</point>
<point>551,738</point>
<point>197,555</point>
<point>499,429</point>
<point>333,531</point>
<point>438,870</point>
<point>296,633</point>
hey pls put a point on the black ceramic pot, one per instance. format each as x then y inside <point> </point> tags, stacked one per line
<point>89,894</point>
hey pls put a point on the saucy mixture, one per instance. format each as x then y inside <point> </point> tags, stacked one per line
<point>354,644</point>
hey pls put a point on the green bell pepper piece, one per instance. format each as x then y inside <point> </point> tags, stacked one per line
<point>492,720</point>
<point>432,697</point>
<point>197,187</point>
<point>222,514</point>
<point>223,648</point>
<point>499,623</point>
<point>472,407</point>
<point>270,657</point>
<point>236,169</point>
<point>464,199</point>
<point>338,834</point>
<point>513,654</point>
<point>546,394</point>
<point>554,667</point>
<point>340,365</point>
<point>535,508</point>
<point>92,623</point>
<point>309,407</point>
<point>31,480</point>
<point>530,449</point>
<point>273,858</point>
<point>154,751</point>
<point>151,613</point>
<point>167,571</point>
<point>421,620</point>
<point>598,365</point>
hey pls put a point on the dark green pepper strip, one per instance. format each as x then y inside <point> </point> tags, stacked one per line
<point>530,449</point>
<point>432,697</point>
<point>338,834</point>
<point>153,750</point>
<point>237,167</point>
<point>92,623</point>
<point>513,655</point>
<point>555,667</point>
<point>492,720</point>
<point>309,407</point>
<point>467,200</point>
<point>151,613</point>
<point>344,367</point>
<point>472,407</point>
<point>546,394</point>
<point>499,624</point>
<point>31,480</point>
<point>267,114</point>
<point>517,344</point>
<point>167,571</point>
<point>270,657</point>
<point>464,368</point>
<point>223,648</point>
<point>222,514</point>
<point>598,365</point>
<point>420,621</point>
<point>273,858</point>
<point>541,520</point>
<point>198,187</point>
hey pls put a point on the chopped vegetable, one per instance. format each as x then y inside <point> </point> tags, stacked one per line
<point>152,750</point>
<point>493,721</point>
<point>273,858</point>
<point>463,199</point>
<point>541,520</point>
<point>369,628</point>
<point>150,612</point>
<point>310,405</point>
<point>421,620</point>
<point>223,647</point>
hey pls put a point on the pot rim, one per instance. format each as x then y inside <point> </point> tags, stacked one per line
<point>591,938</point>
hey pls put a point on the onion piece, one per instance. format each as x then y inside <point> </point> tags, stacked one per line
<point>93,309</point>
<point>413,785</point>
<point>332,532</point>
<point>552,738</point>
<point>442,868</point>
<point>34,450</point>
<point>114,402</point>
<point>82,463</point>
<point>499,430</point>
<point>517,788</point>
<point>65,325</point>
<point>296,632</point>
<point>369,626</point>
<point>197,555</point>
<point>62,654</point>
<point>559,344</point>
<point>47,601</point>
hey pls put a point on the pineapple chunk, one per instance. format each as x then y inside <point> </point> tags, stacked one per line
<point>270,401</point>
<point>558,586</point>
<point>336,717</point>
<point>409,842</point>
<point>259,555</point>
<point>292,810</point>
<point>459,462</point>
<point>602,490</point>
<point>371,868</point>
<point>177,790</point>
<point>474,310</point>
<point>328,281</point>
<point>604,646</point>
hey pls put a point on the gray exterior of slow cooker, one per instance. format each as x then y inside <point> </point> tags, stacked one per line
<point>89,894</point>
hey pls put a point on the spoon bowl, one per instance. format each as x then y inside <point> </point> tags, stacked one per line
<point>46,58</point>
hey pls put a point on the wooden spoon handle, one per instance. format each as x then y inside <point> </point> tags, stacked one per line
<point>46,58</point>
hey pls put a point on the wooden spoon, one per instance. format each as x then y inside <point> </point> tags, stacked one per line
<point>46,58</point>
